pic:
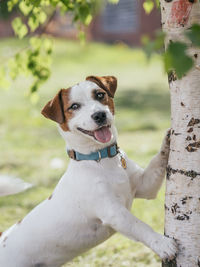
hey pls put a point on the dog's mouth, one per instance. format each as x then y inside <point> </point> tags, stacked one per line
<point>102,134</point>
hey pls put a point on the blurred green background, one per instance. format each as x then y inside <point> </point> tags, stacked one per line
<point>29,142</point>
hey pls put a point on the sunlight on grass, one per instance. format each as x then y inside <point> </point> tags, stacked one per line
<point>29,142</point>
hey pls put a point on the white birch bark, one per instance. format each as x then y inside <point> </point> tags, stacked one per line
<point>182,203</point>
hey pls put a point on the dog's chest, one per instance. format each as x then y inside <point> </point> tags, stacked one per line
<point>116,177</point>
<point>91,180</point>
<point>122,189</point>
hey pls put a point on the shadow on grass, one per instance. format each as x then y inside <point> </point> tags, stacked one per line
<point>142,110</point>
<point>143,100</point>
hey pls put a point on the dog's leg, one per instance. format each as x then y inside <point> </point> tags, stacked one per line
<point>113,214</point>
<point>150,180</point>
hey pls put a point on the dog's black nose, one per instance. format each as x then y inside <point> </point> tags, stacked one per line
<point>99,117</point>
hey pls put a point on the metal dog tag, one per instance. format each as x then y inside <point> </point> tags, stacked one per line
<point>122,159</point>
<point>123,162</point>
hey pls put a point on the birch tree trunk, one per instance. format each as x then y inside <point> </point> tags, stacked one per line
<point>182,203</point>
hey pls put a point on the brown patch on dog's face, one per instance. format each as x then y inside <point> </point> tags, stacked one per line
<point>108,83</point>
<point>68,113</point>
<point>58,109</point>
<point>102,96</point>
<point>111,105</point>
<point>53,109</point>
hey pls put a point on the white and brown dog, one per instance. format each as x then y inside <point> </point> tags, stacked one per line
<point>93,198</point>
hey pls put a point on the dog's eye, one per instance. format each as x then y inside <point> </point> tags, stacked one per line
<point>75,106</point>
<point>100,95</point>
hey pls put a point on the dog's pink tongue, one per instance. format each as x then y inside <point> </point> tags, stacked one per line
<point>103,135</point>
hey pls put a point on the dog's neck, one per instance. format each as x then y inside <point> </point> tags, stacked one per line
<point>83,144</point>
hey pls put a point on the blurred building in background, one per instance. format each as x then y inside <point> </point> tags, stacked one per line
<point>123,22</point>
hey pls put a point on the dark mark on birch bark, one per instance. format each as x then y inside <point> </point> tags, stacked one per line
<point>182,104</point>
<point>191,173</point>
<point>177,133</point>
<point>192,147</point>
<point>190,130</point>
<point>188,138</point>
<point>163,153</point>
<point>171,74</point>
<point>174,208</point>
<point>166,208</point>
<point>195,55</point>
<point>198,263</point>
<point>184,200</point>
<point>171,263</point>
<point>193,121</point>
<point>182,217</point>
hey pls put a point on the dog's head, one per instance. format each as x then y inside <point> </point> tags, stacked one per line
<point>85,111</point>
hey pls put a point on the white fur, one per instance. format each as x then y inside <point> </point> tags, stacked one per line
<point>91,201</point>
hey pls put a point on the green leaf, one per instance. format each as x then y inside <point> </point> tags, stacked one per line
<point>37,17</point>
<point>19,28</point>
<point>33,22</point>
<point>25,8</point>
<point>157,2</point>
<point>35,43</point>
<point>17,65</point>
<point>88,19</point>
<point>48,46</point>
<point>194,34</point>
<point>65,2</point>
<point>152,46</point>
<point>42,17</point>
<point>35,2</point>
<point>84,13</point>
<point>177,59</point>
<point>148,6</point>
<point>11,4</point>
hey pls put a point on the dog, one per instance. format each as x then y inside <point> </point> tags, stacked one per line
<point>93,199</point>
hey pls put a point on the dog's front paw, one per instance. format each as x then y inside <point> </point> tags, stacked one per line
<point>165,247</point>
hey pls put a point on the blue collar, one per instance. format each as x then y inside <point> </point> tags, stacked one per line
<point>107,152</point>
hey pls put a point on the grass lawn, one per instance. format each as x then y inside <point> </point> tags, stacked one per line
<point>29,142</point>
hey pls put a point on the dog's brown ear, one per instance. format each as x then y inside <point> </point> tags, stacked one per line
<point>53,110</point>
<point>108,83</point>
